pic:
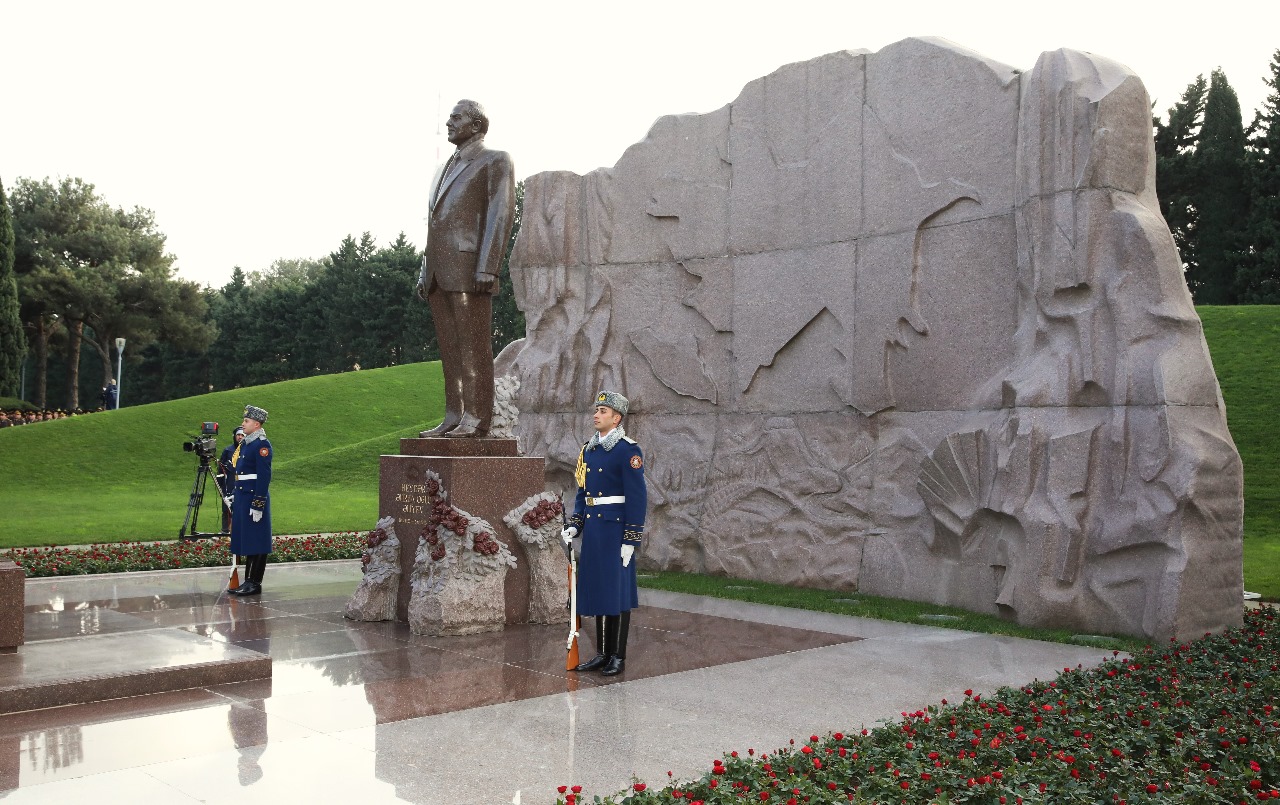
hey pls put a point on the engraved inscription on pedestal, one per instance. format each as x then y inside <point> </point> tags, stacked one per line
<point>486,488</point>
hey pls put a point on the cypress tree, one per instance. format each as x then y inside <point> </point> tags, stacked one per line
<point>1175,167</point>
<point>1258,279</point>
<point>13,343</point>
<point>1221,198</point>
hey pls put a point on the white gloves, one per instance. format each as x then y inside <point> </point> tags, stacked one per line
<point>569,533</point>
<point>256,515</point>
<point>227,500</point>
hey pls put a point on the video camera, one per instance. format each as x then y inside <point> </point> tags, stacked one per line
<point>206,443</point>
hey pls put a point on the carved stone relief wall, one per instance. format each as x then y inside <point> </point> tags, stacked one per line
<point>908,322</point>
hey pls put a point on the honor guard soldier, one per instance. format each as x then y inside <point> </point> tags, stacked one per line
<point>609,513</point>
<point>251,507</point>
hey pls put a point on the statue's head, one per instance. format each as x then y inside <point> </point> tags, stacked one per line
<point>466,121</point>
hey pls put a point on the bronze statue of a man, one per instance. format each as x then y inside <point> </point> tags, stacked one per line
<point>472,212</point>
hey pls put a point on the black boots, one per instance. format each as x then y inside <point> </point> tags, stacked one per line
<point>598,661</point>
<point>616,643</point>
<point>254,567</point>
<point>611,645</point>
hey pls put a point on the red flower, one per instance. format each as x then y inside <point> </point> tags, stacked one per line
<point>1153,788</point>
<point>640,786</point>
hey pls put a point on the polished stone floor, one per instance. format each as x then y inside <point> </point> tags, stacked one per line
<point>373,713</point>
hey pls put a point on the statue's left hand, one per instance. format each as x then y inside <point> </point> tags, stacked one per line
<point>486,283</point>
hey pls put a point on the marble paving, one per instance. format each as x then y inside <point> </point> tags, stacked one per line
<point>374,713</point>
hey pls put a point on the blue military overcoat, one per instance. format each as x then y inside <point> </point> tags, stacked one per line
<point>253,479</point>
<point>605,587</point>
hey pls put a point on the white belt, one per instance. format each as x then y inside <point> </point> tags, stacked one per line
<point>600,501</point>
<point>253,476</point>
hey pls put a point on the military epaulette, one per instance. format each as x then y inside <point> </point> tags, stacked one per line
<point>629,439</point>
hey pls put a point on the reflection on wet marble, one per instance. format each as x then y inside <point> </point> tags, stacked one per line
<point>377,707</point>
<point>59,659</point>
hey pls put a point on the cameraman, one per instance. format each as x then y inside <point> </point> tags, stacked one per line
<point>227,475</point>
<point>251,505</point>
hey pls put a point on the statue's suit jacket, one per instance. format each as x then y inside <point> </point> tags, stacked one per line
<point>472,212</point>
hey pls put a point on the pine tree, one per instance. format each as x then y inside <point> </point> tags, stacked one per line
<point>1221,198</point>
<point>13,343</point>
<point>1258,278</point>
<point>1175,168</point>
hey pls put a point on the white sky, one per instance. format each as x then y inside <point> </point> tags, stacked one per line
<point>263,130</point>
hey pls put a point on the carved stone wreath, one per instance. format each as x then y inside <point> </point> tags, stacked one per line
<point>381,558</point>
<point>537,521</point>
<point>455,544</point>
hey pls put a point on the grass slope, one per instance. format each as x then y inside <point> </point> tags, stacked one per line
<point>1244,341</point>
<point>123,474</point>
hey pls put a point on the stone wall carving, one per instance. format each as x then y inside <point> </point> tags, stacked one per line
<point>908,322</point>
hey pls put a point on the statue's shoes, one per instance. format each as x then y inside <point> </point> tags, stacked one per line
<point>470,427</point>
<point>444,427</point>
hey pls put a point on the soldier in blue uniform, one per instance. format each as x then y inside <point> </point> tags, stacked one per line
<point>251,508</point>
<point>609,513</point>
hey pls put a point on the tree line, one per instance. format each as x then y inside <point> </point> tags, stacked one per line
<point>1219,188</point>
<point>76,273</point>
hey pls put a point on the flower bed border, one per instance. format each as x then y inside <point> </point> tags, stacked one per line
<point>131,557</point>
<point>1191,722</point>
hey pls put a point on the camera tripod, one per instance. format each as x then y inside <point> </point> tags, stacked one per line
<point>196,498</point>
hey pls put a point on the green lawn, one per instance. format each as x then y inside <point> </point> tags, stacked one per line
<point>124,475</point>
<point>1244,340</point>
<point>870,606</point>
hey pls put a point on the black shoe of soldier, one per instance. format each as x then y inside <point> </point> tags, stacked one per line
<point>613,667</point>
<point>595,663</point>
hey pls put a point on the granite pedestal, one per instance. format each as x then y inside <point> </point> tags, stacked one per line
<point>484,477</point>
<point>12,600</point>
